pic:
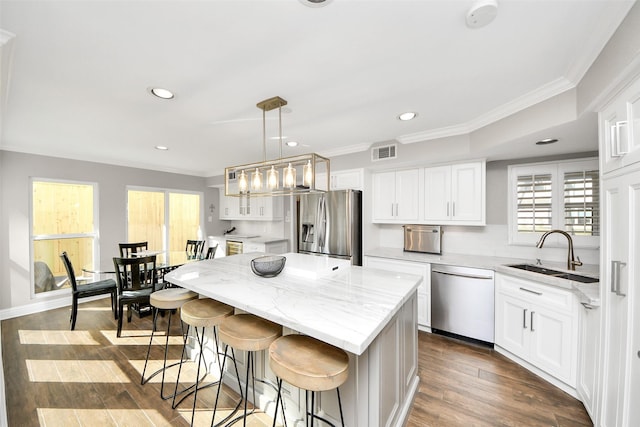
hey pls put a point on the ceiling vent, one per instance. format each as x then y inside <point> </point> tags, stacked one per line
<point>384,152</point>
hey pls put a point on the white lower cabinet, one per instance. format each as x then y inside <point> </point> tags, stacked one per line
<point>588,359</point>
<point>538,324</point>
<point>409,267</point>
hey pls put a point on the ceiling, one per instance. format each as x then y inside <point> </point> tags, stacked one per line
<point>75,77</point>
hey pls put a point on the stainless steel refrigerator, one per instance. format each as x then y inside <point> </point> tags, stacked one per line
<point>331,224</point>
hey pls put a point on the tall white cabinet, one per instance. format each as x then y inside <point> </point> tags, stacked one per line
<point>620,261</point>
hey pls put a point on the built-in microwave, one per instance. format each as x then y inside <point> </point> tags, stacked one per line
<point>423,238</point>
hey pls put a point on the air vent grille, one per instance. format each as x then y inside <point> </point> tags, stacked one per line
<point>384,152</point>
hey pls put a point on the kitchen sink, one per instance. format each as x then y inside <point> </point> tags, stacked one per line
<point>555,273</point>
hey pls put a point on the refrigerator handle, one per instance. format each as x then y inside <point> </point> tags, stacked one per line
<point>323,222</point>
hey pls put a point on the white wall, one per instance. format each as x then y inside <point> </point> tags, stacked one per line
<point>15,172</point>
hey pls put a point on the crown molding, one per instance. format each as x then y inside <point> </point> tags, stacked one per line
<point>547,91</point>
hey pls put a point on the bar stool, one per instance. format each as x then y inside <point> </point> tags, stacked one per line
<point>201,313</point>
<point>308,364</point>
<point>251,334</point>
<point>166,299</point>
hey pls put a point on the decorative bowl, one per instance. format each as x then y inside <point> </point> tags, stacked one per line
<point>268,265</point>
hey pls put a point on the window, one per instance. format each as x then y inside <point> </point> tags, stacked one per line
<point>62,219</point>
<point>556,195</point>
<point>164,218</point>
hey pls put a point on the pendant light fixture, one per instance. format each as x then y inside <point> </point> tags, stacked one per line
<point>237,181</point>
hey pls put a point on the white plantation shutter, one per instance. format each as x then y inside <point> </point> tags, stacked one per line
<point>534,203</point>
<point>581,203</point>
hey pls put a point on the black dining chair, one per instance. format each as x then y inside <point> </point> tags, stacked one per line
<point>194,249</point>
<point>211,252</point>
<point>101,287</point>
<point>127,250</point>
<point>137,280</point>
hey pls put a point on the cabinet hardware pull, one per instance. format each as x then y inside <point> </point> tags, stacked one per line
<point>587,305</point>
<point>453,209</point>
<point>531,321</point>
<point>530,291</point>
<point>615,139</point>
<point>468,276</point>
<point>524,318</point>
<point>615,277</point>
<point>447,208</point>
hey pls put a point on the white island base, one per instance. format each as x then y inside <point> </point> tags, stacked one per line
<point>382,354</point>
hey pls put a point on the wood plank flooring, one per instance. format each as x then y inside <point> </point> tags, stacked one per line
<point>56,377</point>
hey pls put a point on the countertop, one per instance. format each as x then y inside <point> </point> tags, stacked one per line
<point>347,308</point>
<point>588,293</point>
<point>250,238</point>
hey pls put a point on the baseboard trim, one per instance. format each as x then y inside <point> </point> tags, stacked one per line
<point>40,306</point>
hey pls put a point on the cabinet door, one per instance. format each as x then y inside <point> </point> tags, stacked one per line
<point>228,206</point>
<point>551,346</point>
<point>347,179</point>
<point>277,247</point>
<point>512,324</point>
<point>613,136</point>
<point>620,254</point>
<point>384,196</point>
<point>437,191</point>
<point>588,359</point>
<point>467,192</point>
<point>407,195</point>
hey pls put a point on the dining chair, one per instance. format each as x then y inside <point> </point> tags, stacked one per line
<point>194,248</point>
<point>127,250</point>
<point>137,280</point>
<point>211,252</point>
<point>101,287</point>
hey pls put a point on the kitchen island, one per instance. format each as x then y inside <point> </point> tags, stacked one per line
<point>371,314</point>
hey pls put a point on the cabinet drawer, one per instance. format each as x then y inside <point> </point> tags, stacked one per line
<point>546,296</point>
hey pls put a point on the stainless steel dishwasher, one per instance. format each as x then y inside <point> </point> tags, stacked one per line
<point>462,301</point>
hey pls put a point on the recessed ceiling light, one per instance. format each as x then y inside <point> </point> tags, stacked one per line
<point>292,143</point>
<point>409,115</point>
<point>546,141</point>
<point>161,93</point>
<point>161,148</point>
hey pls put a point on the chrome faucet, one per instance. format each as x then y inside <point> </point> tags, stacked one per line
<point>571,262</point>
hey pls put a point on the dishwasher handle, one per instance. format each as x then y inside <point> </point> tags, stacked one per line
<point>466,276</point>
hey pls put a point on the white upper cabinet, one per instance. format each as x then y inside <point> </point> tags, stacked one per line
<point>455,194</point>
<point>251,208</point>
<point>350,179</point>
<point>620,130</point>
<point>396,195</point>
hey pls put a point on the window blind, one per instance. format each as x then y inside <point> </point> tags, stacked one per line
<point>534,203</point>
<point>581,201</point>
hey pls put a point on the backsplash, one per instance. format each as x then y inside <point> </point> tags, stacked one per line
<point>490,240</point>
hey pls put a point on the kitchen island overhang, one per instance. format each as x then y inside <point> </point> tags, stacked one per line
<point>371,314</point>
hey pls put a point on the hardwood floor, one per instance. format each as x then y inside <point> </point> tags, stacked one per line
<point>87,377</point>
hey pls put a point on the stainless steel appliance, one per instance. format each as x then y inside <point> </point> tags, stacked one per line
<point>234,247</point>
<point>331,224</point>
<point>462,301</point>
<point>423,238</point>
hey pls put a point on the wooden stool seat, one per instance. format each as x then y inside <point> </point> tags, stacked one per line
<point>248,332</point>
<point>171,299</point>
<point>308,363</point>
<point>205,312</point>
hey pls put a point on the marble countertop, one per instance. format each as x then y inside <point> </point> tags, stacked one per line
<point>250,238</point>
<point>588,293</point>
<point>347,307</point>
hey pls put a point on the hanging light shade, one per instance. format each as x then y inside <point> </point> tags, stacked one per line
<point>307,174</point>
<point>289,177</point>
<point>273,176</point>
<point>237,180</point>
<point>256,180</point>
<point>243,184</point>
